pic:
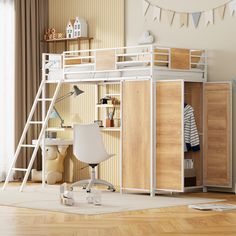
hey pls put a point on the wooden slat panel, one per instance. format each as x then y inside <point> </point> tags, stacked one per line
<point>169,141</point>
<point>105,60</point>
<point>217,138</point>
<point>136,135</point>
<point>180,59</point>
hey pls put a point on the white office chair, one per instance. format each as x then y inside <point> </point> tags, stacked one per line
<point>88,147</point>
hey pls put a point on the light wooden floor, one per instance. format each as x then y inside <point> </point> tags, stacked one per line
<point>166,221</point>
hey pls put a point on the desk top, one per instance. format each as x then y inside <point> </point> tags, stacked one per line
<point>55,141</point>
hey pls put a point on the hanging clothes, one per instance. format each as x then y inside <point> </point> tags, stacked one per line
<point>191,136</point>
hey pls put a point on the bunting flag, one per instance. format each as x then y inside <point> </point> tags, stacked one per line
<point>183,19</point>
<point>184,16</point>
<point>170,15</point>
<point>157,14</point>
<point>221,11</point>
<point>145,7</point>
<point>196,17</point>
<point>209,17</point>
<point>232,7</point>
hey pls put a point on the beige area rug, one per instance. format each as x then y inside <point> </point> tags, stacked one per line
<point>36,197</point>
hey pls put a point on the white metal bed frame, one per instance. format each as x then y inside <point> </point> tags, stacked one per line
<point>146,64</point>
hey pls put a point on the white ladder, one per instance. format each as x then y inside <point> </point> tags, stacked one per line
<point>43,123</point>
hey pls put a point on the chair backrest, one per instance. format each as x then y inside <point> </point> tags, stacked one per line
<point>88,145</point>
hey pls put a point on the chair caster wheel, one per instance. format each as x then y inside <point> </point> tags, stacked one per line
<point>70,188</point>
<point>111,189</point>
<point>88,191</point>
<point>84,187</point>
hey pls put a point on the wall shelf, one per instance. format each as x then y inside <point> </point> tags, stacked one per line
<point>112,94</point>
<point>67,39</point>
<point>113,129</point>
<point>106,105</point>
<point>67,42</point>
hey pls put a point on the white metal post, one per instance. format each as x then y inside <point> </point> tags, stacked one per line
<point>182,134</point>
<point>96,90</point>
<point>43,118</point>
<point>152,125</point>
<point>205,65</point>
<point>121,135</point>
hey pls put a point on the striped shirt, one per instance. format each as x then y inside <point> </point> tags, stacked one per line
<point>191,136</point>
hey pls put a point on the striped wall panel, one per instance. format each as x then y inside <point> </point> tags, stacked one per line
<point>105,19</point>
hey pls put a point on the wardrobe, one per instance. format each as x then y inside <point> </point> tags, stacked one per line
<point>153,155</point>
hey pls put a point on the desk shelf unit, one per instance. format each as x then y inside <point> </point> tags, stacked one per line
<point>101,91</point>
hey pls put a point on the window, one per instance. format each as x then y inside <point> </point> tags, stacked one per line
<point>7,77</point>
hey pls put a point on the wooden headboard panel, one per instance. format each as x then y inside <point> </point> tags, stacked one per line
<point>180,58</point>
<point>73,61</point>
<point>105,60</point>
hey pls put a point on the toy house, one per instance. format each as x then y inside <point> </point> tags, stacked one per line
<point>80,28</point>
<point>70,29</point>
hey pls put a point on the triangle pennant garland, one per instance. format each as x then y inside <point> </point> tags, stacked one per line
<point>145,7</point>
<point>184,16</point>
<point>209,17</point>
<point>170,15</point>
<point>157,14</point>
<point>221,11</point>
<point>183,19</point>
<point>196,18</point>
<point>232,7</point>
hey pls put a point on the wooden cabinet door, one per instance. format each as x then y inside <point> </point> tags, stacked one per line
<point>217,135</point>
<point>169,135</point>
<point>136,135</point>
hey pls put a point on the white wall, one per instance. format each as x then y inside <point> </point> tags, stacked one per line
<point>105,20</point>
<point>219,39</point>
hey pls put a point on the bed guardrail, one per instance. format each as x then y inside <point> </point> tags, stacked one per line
<point>127,59</point>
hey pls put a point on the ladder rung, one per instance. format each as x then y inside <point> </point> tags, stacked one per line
<point>28,145</point>
<point>45,99</point>
<point>36,122</point>
<point>19,169</point>
<point>52,81</point>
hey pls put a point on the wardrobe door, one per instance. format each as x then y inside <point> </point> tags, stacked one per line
<point>217,135</point>
<point>169,135</point>
<point>136,135</point>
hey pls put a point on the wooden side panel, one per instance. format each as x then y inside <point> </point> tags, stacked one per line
<point>217,135</point>
<point>169,140</point>
<point>105,60</point>
<point>136,135</point>
<point>180,58</point>
<point>72,61</point>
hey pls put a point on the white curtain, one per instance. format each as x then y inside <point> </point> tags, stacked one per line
<point>7,77</point>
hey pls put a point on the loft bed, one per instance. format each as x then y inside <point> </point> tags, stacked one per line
<point>126,63</point>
